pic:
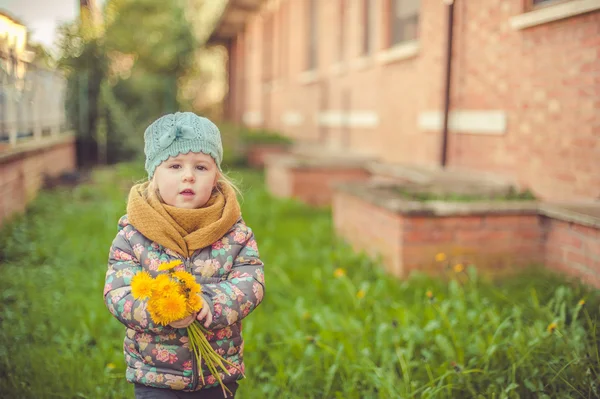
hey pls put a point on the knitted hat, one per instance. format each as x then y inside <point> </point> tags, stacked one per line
<point>180,133</point>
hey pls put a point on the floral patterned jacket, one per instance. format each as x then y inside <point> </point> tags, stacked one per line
<point>231,275</point>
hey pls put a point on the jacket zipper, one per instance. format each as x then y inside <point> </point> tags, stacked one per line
<point>195,366</point>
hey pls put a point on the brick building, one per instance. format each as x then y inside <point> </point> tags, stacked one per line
<point>371,77</point>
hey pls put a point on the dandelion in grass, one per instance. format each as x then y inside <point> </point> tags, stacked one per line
<point>581,302</point>
<point>458,268</point>
<point>440,257</point>
<point>141,285</point>
<point>429,294</point>
<point>339,272</point>
<point>169,265</point>
<point>360,294</point>
<point>551,327</point>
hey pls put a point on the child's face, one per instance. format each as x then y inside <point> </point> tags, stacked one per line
<point>187,180</point>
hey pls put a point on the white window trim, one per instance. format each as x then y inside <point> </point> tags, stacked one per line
<point>308,77</point>
<point>553,13</point>
<point>337,69</point>
<point>399,52</point>
<point>482,122</point>
<point>361,63</point>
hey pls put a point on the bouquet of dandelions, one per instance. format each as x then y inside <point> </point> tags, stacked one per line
<point>174,296</point>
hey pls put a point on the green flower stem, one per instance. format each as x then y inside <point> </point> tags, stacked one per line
<point>201,348</point>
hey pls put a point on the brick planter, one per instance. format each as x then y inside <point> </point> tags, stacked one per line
<point>310,180</point>
<point>258,153</point>
<point>494,236</point>
<point>22,170</point>
<point>409,234</point>
<point>573,241</point>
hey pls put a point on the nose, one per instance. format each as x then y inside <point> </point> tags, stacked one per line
<point>188,175</point>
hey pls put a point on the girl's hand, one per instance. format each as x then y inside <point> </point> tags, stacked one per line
<point>183,323</point>
<point>205,314</point>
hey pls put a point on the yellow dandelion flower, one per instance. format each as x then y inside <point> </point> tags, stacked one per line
<point>458,268</point>
<point>339,272</point>
<point>153,309</point>
<point>141,285</point>
<point>172,308</point>
<point>189,282</point>
<point>360,294</point>
<point>440,257</point>
<point>164,286</point>
<point>429,294</point>
<point>194,303</point>
<point>110,366</point>
<point>581,302</point>
<point>169,265</point>
<point>552,327</point>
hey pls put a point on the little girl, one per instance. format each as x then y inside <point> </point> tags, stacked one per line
<point>188,211</point>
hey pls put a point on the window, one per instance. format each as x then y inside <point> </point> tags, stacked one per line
<point>268,39</point>
<point>342,30</point>
<point>312,26</point>
<point>404,21</point>
<point>367,24</point>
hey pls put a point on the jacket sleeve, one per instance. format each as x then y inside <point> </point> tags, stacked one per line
<point>122,266</point>
<point>233,299</point>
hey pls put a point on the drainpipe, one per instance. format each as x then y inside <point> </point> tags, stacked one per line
<point>447,77</point>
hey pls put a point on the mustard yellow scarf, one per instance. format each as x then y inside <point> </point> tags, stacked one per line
<point>183,230</point>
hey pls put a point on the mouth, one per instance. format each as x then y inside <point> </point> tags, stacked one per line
<point>187,191</point>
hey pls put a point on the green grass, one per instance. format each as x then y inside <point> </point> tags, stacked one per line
<point>359,335</point>
<point>511,195</point>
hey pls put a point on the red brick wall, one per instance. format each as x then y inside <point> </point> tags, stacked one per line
<point>573,249</point>
<point>370,229</point>
<point>21,175</point>
<point>497,242</point>
<point>547,80</point>
<point>543,78</point>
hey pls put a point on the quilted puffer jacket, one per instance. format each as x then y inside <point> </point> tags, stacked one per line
<point>231,275</point>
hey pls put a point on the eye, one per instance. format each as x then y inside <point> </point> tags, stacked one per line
<point>175,166</point>
<point>200,167</point>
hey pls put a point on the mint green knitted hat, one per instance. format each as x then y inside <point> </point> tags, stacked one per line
<point>180,133</point>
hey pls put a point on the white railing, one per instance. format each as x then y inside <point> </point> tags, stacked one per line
<point>32,107</point>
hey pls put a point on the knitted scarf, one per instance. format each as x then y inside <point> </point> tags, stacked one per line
<point>183,230</point>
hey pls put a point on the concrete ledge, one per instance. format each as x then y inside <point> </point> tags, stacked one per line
<point>553,12</point>
<point>583,214</point>
<point>23,149</point>
<point>310,180</point>
<point>384,197</point>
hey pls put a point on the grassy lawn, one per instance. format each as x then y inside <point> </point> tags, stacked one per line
<point>332,324</point>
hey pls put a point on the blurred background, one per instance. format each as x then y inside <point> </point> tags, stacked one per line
<point>432,165</point>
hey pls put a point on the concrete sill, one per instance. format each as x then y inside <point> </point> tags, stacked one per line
<point>33,146</point>
<point>308,77</point>
<point>337,69</point>
<point>361,63</point>
<point>399,52</point>
<point>553,13</point>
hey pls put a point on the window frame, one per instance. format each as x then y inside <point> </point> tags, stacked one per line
<point>312,25</point>
<point>389,25</point>
<point>530,5</point>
